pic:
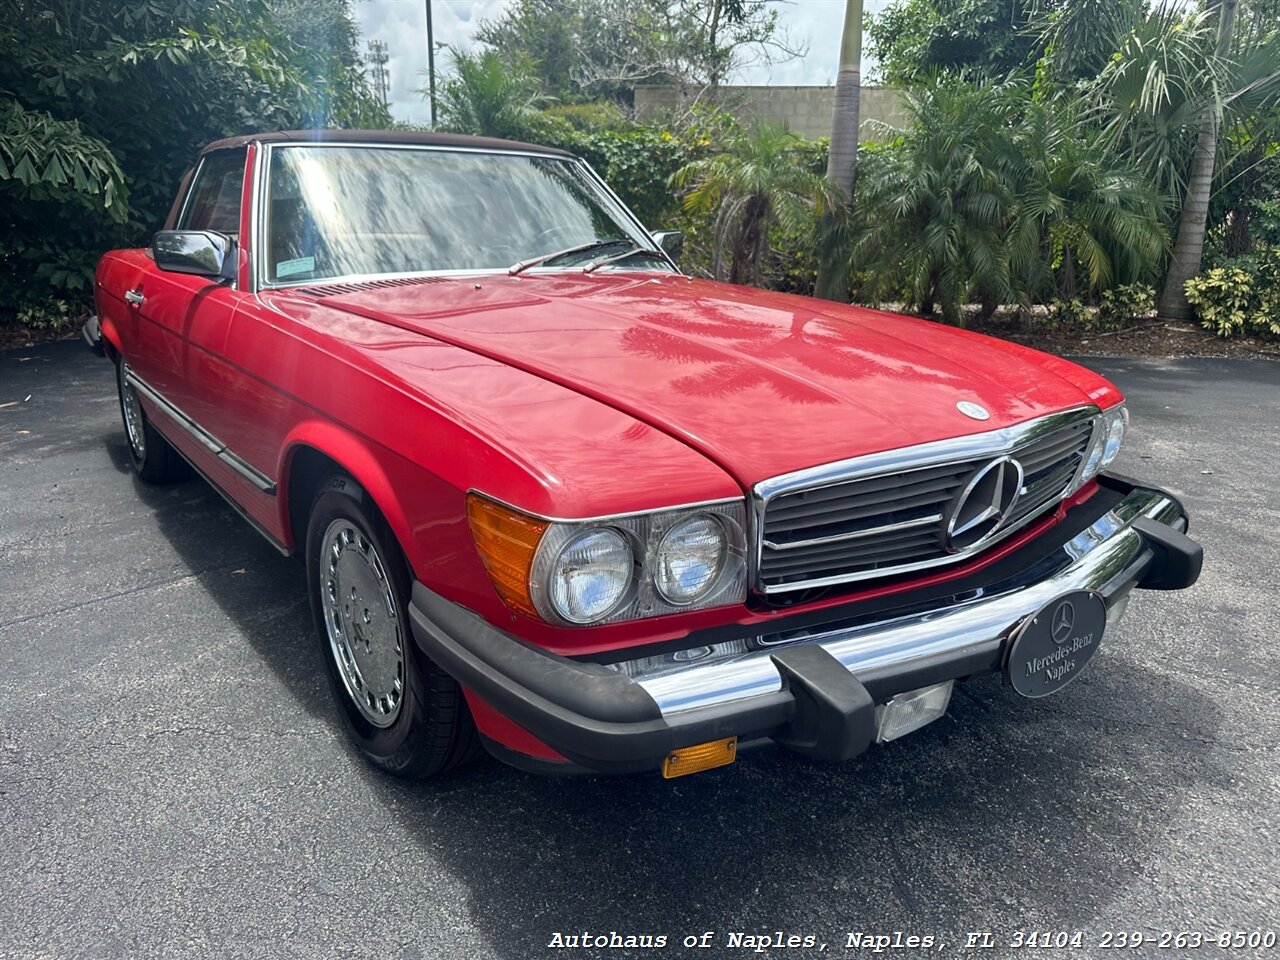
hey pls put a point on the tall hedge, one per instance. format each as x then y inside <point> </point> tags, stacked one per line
<point>104,103</point>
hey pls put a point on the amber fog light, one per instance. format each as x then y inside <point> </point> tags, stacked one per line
<point>704,756</point>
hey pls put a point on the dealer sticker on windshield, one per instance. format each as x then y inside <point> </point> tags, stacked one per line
<point>287,268</point>
<point>1051,648</point>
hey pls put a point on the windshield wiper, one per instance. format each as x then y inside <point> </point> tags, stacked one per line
<point>595,265</point>
<point>523,265</point>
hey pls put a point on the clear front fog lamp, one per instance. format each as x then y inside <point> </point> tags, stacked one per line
<point>591,575</point>
<point>689,560</point>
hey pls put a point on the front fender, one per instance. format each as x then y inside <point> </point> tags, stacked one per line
<point>354,454</point>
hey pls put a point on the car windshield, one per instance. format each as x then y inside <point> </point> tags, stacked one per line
<point>344,211</point>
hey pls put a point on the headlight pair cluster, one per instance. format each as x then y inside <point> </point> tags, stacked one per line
<point>619,568</point>
<point>1104,444</point>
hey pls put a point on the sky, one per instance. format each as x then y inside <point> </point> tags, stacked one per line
<point>402,25</point>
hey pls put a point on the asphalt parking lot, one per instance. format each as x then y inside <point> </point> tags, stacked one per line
<point>173,782</point>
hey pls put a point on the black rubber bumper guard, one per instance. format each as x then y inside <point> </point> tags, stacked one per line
<point>91,334</point>
<point>602,720</point>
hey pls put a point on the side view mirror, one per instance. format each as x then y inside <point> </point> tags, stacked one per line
<point>671,242</point>
<point>202,253</point>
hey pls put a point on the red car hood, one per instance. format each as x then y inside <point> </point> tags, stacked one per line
<point>761,383</point>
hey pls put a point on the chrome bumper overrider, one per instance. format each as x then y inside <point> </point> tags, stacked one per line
<point>1100,558</point>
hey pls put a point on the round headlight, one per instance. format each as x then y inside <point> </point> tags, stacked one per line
<point>1115,436</point>
<point>591,575</point>
<point>689,560</point>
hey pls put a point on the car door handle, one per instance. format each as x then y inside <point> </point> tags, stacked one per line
<point>135,297</point>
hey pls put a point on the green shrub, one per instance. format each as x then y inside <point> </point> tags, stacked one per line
<point>636,162</point>
<point>51,314</point>
<point>590,117</point>
<point>1124,305</point>
<point>104,103</point>
<point>791,264</point>
<point>1242,297</point>
<point>1069,313</point>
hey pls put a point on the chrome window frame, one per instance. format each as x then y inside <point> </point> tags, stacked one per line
<point>258,282</point>
<point>195,179</point>
<point>990,443</point>
<point>234,283</point>
<point>191,189</point>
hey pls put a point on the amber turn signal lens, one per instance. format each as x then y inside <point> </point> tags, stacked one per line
<point>703,756</point>
<point>507,541</point>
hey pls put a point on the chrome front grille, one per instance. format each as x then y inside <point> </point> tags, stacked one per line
<point>888,513</point>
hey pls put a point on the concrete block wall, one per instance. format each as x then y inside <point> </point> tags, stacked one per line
<point>806,110</point>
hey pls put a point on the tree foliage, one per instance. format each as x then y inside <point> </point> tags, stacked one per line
<point>591,48</point>
<point>1164,123</point>
<point>936,205</point>
<point>757,180</point>
<point>486,96</point>
<point>1079,38</point>
<point>978,39</point>
<point>104,104</point>
<point>995,196</point>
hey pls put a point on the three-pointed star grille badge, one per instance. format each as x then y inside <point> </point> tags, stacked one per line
<point>983,503</point>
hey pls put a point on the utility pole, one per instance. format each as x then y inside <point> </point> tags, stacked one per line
<point>377,58</point>
<point>431,64</point>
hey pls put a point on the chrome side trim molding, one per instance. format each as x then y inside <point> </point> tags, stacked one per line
<point>239,510</point>
<point>207,440</point>
<point>990,443</point>
<point>739,669</point>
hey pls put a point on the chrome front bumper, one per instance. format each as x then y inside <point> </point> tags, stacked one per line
<point>813,681</point>
<point>1100,558</point>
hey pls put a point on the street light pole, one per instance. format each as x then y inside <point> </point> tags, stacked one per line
<point>431,65</point>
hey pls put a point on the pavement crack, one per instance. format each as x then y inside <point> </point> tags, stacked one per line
<point>110,596</point>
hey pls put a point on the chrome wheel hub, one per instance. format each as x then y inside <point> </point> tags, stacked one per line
<point>361,622</point>
<point>132,407</point>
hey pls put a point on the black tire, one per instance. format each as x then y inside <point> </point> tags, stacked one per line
<point>433,731</point>
<point>154,460</point>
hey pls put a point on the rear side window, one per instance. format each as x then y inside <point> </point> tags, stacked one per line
<point>214,201</point>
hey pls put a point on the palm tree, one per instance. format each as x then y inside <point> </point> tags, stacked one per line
<point>933,211</point>
<point>1188,250</point>
<point>1079,38</point>
<point>756,181</point>
<point>1082,213</point>
<point>1163,99</point>
<point>487,96</point>
<point>842,157</point>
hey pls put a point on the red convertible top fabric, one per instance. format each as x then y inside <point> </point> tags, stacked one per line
<point>383,136</point>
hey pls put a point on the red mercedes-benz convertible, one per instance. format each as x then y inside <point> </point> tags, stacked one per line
<point>560,500</point>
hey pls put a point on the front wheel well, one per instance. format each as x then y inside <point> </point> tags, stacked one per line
<point>308,469</point>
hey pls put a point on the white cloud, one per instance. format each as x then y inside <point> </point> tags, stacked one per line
<point>402,24</point>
